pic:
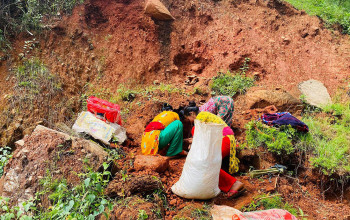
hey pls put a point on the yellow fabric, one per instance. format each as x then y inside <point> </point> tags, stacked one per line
<point>150,140</point>
<point>233,166</point>
<point>166,118</point>
<point>209,117</point>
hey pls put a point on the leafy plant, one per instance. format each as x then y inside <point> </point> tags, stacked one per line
<point>22,213</point>
<point>232,83</point>
<point>142,215</point>
<point>84,201</point>
<point>5,155</point>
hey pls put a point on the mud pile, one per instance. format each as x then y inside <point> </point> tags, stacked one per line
<point>47,152</point>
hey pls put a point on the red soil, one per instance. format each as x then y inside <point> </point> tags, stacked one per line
<point>107,42</point>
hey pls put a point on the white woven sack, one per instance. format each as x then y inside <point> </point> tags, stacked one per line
<point>200,175</point>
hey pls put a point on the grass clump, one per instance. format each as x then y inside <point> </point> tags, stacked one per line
<point>282,140</point>
<point>267,201</point>
<point>327,143</point>
<point>331,139</point>
<point>5,155</point>
<point>19,16</point>
<point>231,84</point>
<point>331,11</point>
<point>34,81</point>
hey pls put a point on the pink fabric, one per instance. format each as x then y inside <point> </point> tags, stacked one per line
<point>208,107</point>
<point>227,131</point>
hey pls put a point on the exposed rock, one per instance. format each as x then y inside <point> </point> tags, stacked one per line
<point>155,163</point>
<point>282,100</point>
<point>315,93</point>
<point>132,185</point>
<point>157,10</point>
<point>46,149</point>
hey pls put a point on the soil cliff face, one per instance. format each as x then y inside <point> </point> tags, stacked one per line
<point>106,43</point>
<point>286,46</point>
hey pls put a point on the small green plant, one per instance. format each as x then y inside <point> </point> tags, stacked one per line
<point>232,83</point>
<point>142,215</point>
<point>84,201</point>
<point>202,213</point>
<point>267,201</point>
<point>23,213</point>
<point>5,155</point>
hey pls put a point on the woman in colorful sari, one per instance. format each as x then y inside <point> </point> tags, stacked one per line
<point>221,106</point>
<point>165,129</point>
<point>227,183</point>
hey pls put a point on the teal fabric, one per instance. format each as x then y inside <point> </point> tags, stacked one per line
<point>173,135</point>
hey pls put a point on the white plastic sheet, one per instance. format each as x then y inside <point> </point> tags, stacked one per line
<point>200,175</point>
<point>93,126</point>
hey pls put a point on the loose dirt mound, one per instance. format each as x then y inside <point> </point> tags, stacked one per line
<point>45,151</point>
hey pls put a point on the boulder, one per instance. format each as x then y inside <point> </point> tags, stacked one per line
<point>157,10</point>
<point>149,162</point>
<point>281,99</point>
<point>315,93</point>
<point>47,150</point>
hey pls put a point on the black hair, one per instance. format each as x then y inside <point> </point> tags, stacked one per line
<point>167,107</point>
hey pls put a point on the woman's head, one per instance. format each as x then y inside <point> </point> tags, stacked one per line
<point>167,107</point>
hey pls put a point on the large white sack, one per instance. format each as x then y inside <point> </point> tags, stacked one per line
<point>200,175</point>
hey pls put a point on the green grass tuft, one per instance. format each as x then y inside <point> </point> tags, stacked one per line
<point>331,11</point>
<point>266,201</point>
<point>230,84</point>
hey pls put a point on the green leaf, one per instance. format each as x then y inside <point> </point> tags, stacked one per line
<point>105,166</point>
<point>87,182</point>
<point>91,198</point>
<point>101,208</point>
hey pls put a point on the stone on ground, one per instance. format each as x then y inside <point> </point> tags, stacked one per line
<point>47,149</point>
<point>315,93</point>
<point>147,162</point>
<point>157,10</point>
<point>281,99</point>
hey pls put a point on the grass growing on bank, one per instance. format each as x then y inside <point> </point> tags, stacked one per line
<point>331,11</point>
<point>267,201</point>
<point>327,143</point>
<point>232,83</point>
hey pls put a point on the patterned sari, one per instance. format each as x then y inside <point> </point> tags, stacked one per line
<point>221,106</point>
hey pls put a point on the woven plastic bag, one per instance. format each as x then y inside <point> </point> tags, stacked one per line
<point>200,175</point>
<point>109,111</point>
